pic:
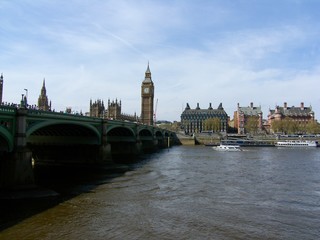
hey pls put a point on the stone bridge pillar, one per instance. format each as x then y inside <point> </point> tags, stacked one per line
<point>16,167</point>
<point>105,148</point>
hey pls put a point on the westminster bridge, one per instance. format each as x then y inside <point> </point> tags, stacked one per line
<point>29,136</point>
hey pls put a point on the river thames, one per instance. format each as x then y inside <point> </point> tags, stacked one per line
<point>186,192</point>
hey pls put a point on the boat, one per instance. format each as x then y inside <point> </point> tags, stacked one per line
<point>211,144</point>
<point>227,148</point>
<point>248,143</point>
<point>296,143</point>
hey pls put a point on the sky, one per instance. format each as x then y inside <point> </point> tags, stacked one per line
<point>207,51</point>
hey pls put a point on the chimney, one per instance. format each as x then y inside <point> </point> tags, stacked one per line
<point>251,104</point>
<point>198,106</point>
<point>302,105</point>
<point>285,105</point>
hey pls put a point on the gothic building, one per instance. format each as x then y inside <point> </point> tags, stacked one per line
<point>193,120</point>
<point>43,103</point>
<point>242,115</point>
<point>113,111</point>
<point>1,88</point>
<point>97,109</point>
<point>147,97</point>
<point>301,115</point>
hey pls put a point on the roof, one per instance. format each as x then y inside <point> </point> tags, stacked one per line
<point>293,111</point>
<point>210,112</point>
<point>250,111</point>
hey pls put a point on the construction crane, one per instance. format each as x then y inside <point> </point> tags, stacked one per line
<point>155,113</point>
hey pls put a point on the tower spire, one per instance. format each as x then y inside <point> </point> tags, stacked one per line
<point>147,78</point>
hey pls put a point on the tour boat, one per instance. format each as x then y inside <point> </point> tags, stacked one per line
<point>227,148</point>
<point>296,143</point>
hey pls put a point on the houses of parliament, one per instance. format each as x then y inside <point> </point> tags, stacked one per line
<point>113,109</point>
<point>98,109</point>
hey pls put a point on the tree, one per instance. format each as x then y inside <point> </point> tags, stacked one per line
<point>251,125</point>
<point>313,127</point>
<point>212,124</point>
<point>277,126</point>
<point>290,126</point>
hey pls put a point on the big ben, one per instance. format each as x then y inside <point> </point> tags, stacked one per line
<point>147,96</point>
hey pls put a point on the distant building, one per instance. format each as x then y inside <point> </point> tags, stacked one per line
<point>113,111</point>
<point>43,103</point>
<point>193,120</point>
<point>97,109</point>
<point>1,88</point>
<point>242,115</point>
<point>301,115</point>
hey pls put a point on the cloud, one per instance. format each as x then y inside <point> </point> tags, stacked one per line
<point>210,52</point>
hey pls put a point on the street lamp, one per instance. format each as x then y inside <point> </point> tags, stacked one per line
<point>26,96</point>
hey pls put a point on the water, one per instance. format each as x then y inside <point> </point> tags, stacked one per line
<point>190,193</point>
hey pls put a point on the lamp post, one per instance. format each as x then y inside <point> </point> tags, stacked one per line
<point>26,103</point>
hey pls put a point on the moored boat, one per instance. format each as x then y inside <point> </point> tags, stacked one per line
<point>227,148</point>
<point>296,143</point>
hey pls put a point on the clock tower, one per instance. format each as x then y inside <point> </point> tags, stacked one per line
<point>147,95</point>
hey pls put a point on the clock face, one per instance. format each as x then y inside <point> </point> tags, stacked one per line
<point>146,90</point>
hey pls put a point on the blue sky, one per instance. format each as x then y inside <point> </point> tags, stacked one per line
<point>216,51</point>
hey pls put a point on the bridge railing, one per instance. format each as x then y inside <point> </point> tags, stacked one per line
<point>51,114</point>
<point>7,109</point>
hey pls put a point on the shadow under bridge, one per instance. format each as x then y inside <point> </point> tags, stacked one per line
<point>124,144</point>
<point>64,143</point>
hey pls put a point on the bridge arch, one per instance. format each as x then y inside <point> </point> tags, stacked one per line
<point>120,133</point>
<point>6,141</point>
<point>159,134</point>
<point>65,131</point>
<point>145,133</point>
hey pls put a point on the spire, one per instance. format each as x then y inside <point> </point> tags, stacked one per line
<point>43,89</point>
<point>148,68</point>
<point>147,78</point>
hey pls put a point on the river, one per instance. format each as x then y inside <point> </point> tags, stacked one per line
<point>186,192</point>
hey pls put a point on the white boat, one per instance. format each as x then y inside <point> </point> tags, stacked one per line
<point>227,148</point>
<point>296,143</point>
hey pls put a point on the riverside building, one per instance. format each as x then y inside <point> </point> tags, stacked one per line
<point>193,120</point>
<point>301,115</point>
<point>242,115</point>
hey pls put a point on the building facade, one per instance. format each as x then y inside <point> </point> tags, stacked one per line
<point>43,102</point>
<point>147,98</point>
<point>113,111</point>
<point>1,88</point>
<point>242,115</point>
<point>97,109</point>
<point>193,120</point>
<point>301,115</point>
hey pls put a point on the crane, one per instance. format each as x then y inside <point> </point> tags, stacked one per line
<point>155,113</point>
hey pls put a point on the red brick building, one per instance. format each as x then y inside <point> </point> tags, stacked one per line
<point>243,114</point>
<point>301,115</point>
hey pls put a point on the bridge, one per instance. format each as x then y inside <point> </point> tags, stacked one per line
<point>29,136</point>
